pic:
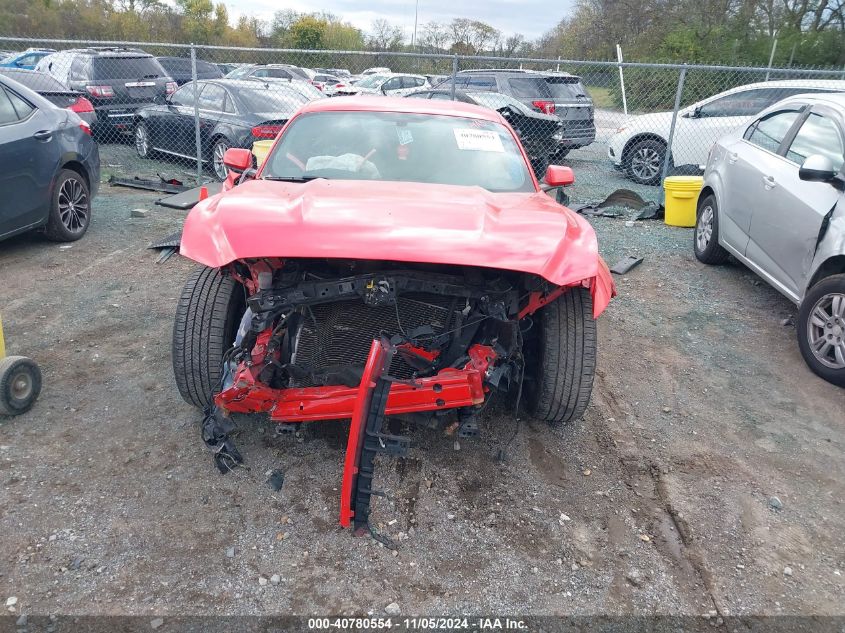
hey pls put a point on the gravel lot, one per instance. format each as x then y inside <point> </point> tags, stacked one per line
<point>661,501</point>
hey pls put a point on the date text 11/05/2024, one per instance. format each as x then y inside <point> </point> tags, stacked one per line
<point>418,624</point>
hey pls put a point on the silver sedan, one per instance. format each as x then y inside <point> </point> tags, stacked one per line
<point>773,198</point>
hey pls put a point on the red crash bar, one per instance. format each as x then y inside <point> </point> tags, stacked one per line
<point>448,389</point>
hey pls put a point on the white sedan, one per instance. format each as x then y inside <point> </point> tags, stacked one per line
<point>639,145</point>
<point>393,84</point>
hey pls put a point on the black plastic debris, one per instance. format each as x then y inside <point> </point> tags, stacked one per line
<point>165,185</point>
<point>621,198</point>
<point>277,479</point>
<point>216,430</point>
<point>625,264</point>
<point>187,198</point>
<point>167,245</point>
<point>171,241</point>
<point>651,211</point>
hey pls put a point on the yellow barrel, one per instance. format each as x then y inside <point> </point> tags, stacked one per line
<point>681,199</point>
<point>260,149</point>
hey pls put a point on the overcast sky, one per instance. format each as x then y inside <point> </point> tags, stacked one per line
<point>532,18</point>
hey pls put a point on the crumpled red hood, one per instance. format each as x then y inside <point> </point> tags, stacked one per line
<point>397,221</point>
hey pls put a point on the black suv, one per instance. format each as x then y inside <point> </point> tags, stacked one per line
<point>560,94</point>
<point>117,81</point>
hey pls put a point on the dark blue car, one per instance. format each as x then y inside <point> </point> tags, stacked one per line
<point>49,166</point>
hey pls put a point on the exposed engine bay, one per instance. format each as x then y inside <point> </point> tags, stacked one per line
<point>315,320</point>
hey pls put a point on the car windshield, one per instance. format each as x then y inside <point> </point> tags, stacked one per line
<point>127,68</point>
<point>273,98</point>
<point>9,58</point>
<point>371,81</point>
<point>392,146</point>
<point>566,87</point>
<point>239,72</point>
<point>529,87</point>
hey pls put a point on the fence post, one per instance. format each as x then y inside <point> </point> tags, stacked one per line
<point>622,80</point>
<point>678,94</point>
<point>772,57</point>
<point>196,113</point>
<point>454,74</point>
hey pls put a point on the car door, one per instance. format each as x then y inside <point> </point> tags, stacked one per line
<point>171,126</point>
<point>742,183</point>
<point>212,104</point>
<point>788,217</point>
<point>392,87</point>
<point>28,161</point>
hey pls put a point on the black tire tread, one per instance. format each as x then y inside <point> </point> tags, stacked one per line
<point>568,358</point>
<point>201,333</point>
<point>714,254</point>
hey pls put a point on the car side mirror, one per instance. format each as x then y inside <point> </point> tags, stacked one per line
<point>559,176</point>
<point>817,168</point>
<point>383,90</point>
<point>237,159</point>
<point>506,112</point>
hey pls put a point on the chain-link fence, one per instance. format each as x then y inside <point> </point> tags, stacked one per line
<point>171,111</point>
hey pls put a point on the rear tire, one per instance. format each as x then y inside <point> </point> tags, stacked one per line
<point>821,329</point>
<point>705,240</point>
<point>563,363</point>
<point>20,384</point>
<point>70,208</point>
<point>207,319</point>
<point>218,149</point>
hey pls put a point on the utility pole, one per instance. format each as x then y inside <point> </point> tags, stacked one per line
<point>416,17</point>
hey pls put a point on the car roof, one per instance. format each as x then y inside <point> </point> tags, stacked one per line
<point>836,99</point>
<point>834,84</point>
<point>403,106</point>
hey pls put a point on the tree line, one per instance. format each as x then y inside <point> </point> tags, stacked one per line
<point>809,32</point>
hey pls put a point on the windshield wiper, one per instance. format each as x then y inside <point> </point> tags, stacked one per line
<point>291,178</point>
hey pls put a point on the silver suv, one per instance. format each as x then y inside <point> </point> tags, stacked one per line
<point>773,198</point>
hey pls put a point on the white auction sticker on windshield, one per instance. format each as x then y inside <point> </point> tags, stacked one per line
<point>478,140</point>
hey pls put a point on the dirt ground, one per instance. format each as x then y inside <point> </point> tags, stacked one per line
<point>660,501</point>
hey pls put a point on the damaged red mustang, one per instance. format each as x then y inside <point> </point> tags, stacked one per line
<point>391,257</point>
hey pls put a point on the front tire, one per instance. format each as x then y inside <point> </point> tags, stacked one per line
<point>643,161</point>
<point>207,318</point>
<point>561,363</point>
<point>70,208</point>
<point>821,329</point>
<point>705,241</point>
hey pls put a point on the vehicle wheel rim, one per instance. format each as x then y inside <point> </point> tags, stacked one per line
<point>141,141</point>
<point>21,386</point>
<point>704,228</point>
<point>219,167</point>
<point>826,330</point>
<point>645,163</point>
<point>73,205</point>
